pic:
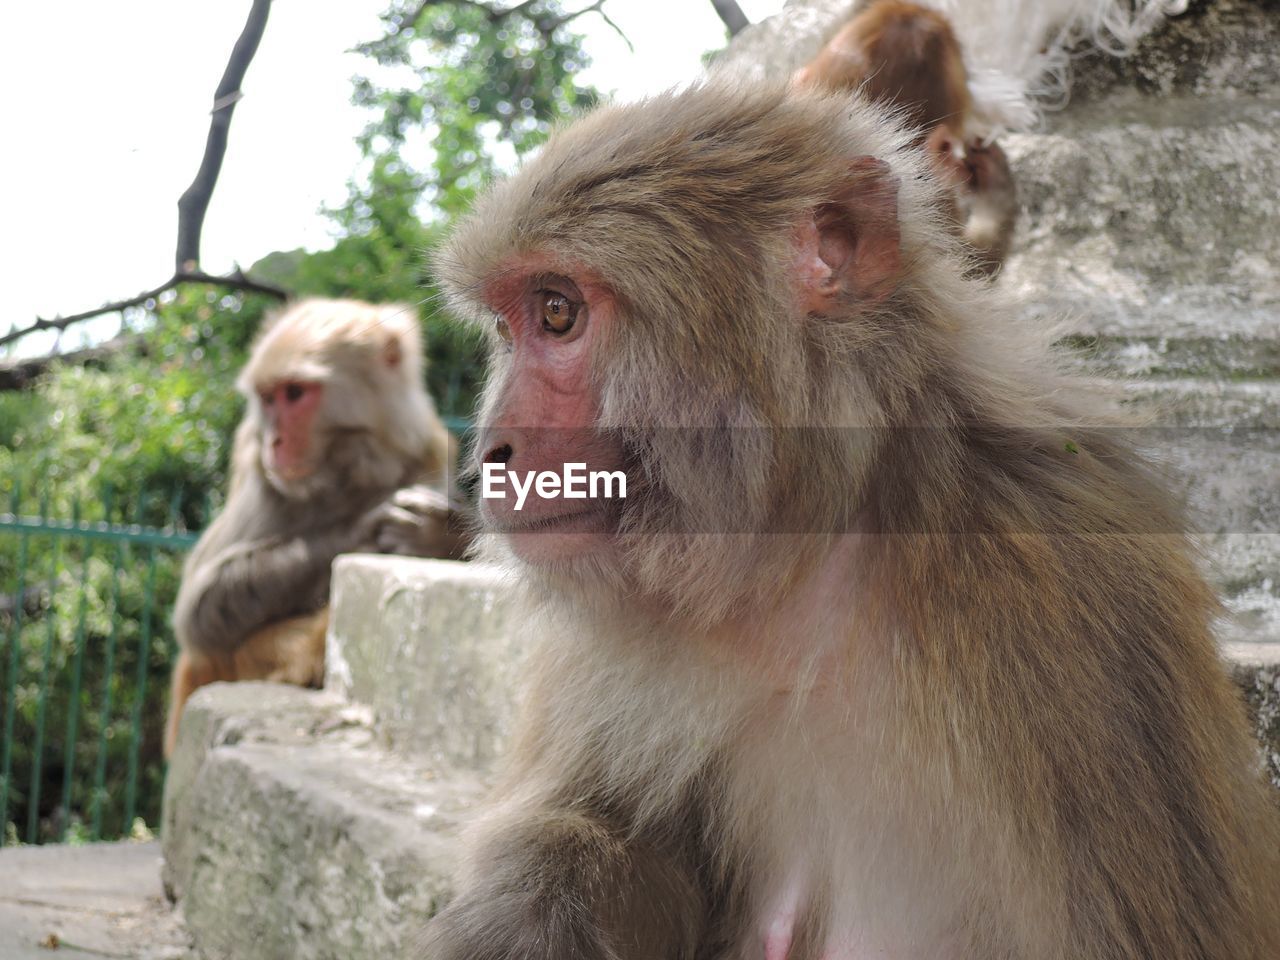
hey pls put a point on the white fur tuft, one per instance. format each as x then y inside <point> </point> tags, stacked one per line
<point>1018,51</point>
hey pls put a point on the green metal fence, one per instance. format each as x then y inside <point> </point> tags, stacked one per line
<point>85,650</point>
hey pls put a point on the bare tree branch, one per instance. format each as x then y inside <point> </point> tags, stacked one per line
<point>618,30</point>
<point>493,13</point>
<point>236,280</point>
<point>21,374</point>
<point>194,203</point>
<point>544,25</point>
<point>732,15</point>
<point>554,23</point>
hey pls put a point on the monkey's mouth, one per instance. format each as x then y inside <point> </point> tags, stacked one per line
<point>595,518</point>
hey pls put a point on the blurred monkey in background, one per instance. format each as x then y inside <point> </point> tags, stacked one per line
<point>340,450</point>
<point>906,56</point>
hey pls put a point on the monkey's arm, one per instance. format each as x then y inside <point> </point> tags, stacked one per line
<point>229,594</point>
<point>558,883</point>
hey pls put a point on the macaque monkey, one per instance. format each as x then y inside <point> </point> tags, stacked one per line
<point>890,651</point>
<point>340,449</point>
<point>907,56</point>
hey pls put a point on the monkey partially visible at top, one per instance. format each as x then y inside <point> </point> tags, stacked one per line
<point>340,450</point>
<point>890,650</point>
<point>907,56</point>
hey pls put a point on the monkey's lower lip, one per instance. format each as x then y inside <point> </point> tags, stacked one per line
<point>576,521</point>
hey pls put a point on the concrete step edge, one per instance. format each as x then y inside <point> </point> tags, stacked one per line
<point>290,833</point>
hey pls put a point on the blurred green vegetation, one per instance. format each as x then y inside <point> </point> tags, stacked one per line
<point>144,435</point>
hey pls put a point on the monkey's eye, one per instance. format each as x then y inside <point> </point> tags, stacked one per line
<point>293,392</point>
<point>559,313</point>
<point>503,328</point>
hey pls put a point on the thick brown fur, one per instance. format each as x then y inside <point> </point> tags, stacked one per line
<point>910,659</point>
<point>901,54</point>
<point>906,57</point>
<point>251,603</point>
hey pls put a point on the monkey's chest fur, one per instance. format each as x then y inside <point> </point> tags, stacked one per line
<point>798,789</point>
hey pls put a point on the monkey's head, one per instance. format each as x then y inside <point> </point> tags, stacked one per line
<point>335,398</point>
<point>690,290</point>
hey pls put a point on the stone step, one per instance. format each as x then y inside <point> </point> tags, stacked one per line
<point>1157,226</point>
<point>1246,567</point>
<point>432,648</point>
<point>1240,561</point>
<point>1252,619</point>
<point>1203,402</point>
<point>388,652</point>
<point>466,676</point>
<point>1142,352</point>
<point>1230,480</point>
<point>289,834</point>
<point>1217,48</point>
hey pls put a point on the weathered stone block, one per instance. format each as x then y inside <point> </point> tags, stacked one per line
<point>1218,48</point>
<point>1158,223</point>
<point>1256,668</point>
<point>432,648</point>
<point>289,835</point>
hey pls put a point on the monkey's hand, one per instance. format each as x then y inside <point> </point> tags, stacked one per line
<point>988,168</point>
<point>555,885</point>
<point>416,521</point>
<point>988,205</point>
<point>504,928</point>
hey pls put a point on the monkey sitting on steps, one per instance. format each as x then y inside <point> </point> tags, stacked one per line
<point>340,450</point>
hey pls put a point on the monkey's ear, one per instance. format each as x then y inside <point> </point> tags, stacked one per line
<point>849,248</point>
<point>392,351</point>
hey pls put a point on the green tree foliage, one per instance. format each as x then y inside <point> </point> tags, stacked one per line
<point>457,91</point>
<point>481,77</point>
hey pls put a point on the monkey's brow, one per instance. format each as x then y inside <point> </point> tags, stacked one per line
<point>472,291</point>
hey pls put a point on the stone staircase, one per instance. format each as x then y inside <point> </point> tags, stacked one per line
<point>1151,234</point>
<point>304,824</point>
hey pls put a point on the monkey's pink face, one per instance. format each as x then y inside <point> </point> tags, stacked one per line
<point>289,410</point>
<point>542,444</point>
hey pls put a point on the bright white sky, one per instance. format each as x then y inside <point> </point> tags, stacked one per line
<point>105,121</point>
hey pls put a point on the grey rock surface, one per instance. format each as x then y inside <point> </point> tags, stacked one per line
<point>438,668</point>
<point>291,835</point>
<point>99,900</point>
<point>1257,670</point>
<point>1156,223</point>
<point>1218,49</point>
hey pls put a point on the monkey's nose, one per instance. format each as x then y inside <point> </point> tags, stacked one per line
<point>500,454</point>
